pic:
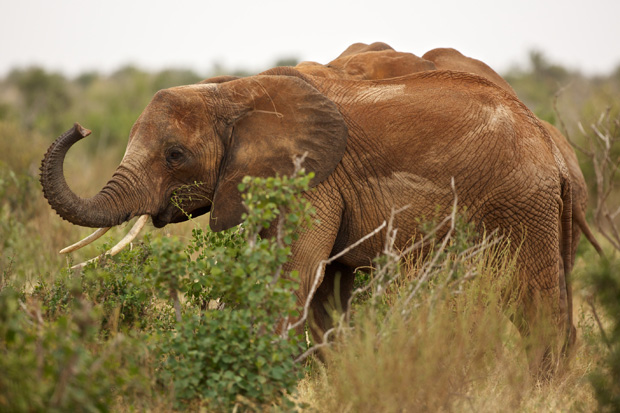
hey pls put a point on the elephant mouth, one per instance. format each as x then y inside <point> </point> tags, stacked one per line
<point>177,216</point>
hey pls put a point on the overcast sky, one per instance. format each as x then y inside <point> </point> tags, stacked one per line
<point>73,36</point>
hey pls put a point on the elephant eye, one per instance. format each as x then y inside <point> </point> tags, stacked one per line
<point>174,155</point>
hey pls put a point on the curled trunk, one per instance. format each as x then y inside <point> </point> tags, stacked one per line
<point>105,209</point>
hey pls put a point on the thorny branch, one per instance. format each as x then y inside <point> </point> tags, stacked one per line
<point>319,271</point>
<point>428,270</point>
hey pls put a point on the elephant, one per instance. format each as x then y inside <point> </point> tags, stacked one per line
<point>373,146</point>
<point>380,61</point>
<point>357,48</point>
<point>451,59</point>
<point>446,58</point>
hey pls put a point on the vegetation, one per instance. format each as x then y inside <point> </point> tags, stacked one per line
<point>188,319</point>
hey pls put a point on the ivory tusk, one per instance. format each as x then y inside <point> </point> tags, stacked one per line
<point>131,235</point>
<point>92,237</point>
<point>135,230</point>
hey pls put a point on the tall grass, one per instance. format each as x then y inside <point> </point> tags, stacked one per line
<point>452,348</point>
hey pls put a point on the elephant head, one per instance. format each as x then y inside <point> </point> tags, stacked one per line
<point>379,64</point>
<point>368,62</point>
<point>192,145</point>
<point>357,48</point>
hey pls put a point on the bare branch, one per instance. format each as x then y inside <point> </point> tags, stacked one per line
<point>602,142</point>
<point>563,126</point>
<point>600,325</point>
<point>318,346</point>
<point>384,274</point>
<point>426,274</point>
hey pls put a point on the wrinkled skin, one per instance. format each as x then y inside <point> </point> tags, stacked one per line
<point>374,146</point>
<point>451,59</point>
<point>380,61</point>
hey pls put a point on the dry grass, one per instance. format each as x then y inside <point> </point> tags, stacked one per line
<point>455,352</point>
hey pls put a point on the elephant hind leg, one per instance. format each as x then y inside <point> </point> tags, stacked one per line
<point>540,323</point>
<point>543,263</point>
<point>331,298</point>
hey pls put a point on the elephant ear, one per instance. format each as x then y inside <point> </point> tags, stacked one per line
<point>270,121</point>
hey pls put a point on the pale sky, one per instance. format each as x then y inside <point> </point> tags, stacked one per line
<point>73,36</point>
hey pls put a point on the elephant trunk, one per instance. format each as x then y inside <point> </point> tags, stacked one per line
<point>106,209</point>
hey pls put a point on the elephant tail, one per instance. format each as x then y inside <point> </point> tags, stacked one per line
<point>580,219</point>
<point>566,222</point>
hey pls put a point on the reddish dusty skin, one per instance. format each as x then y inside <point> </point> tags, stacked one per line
<point>374,146</point>
<point>380,61</point>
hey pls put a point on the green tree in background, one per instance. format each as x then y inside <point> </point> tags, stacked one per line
<point>45,97</point>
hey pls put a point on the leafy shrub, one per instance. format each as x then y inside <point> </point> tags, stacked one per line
<point>238,350</point>
<point>120,287</point>
<point>211,317</point>
<point>60,365</point>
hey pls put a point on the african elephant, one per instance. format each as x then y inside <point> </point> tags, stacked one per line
<point>374,146</point>
<point>451,59</point>
<point>380,61</point>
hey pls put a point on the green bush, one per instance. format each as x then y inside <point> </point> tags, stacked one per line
<point>61,365</point>
<point>208,320</point>
<point>238,350</point>
<point>120,288</point>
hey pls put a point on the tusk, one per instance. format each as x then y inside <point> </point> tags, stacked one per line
<point>133,233</point>
<point>92,237</point>
<point>135,230</point>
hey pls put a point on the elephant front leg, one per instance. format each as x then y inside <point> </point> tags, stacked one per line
<point>331,299</point>
<point>309,255</point>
